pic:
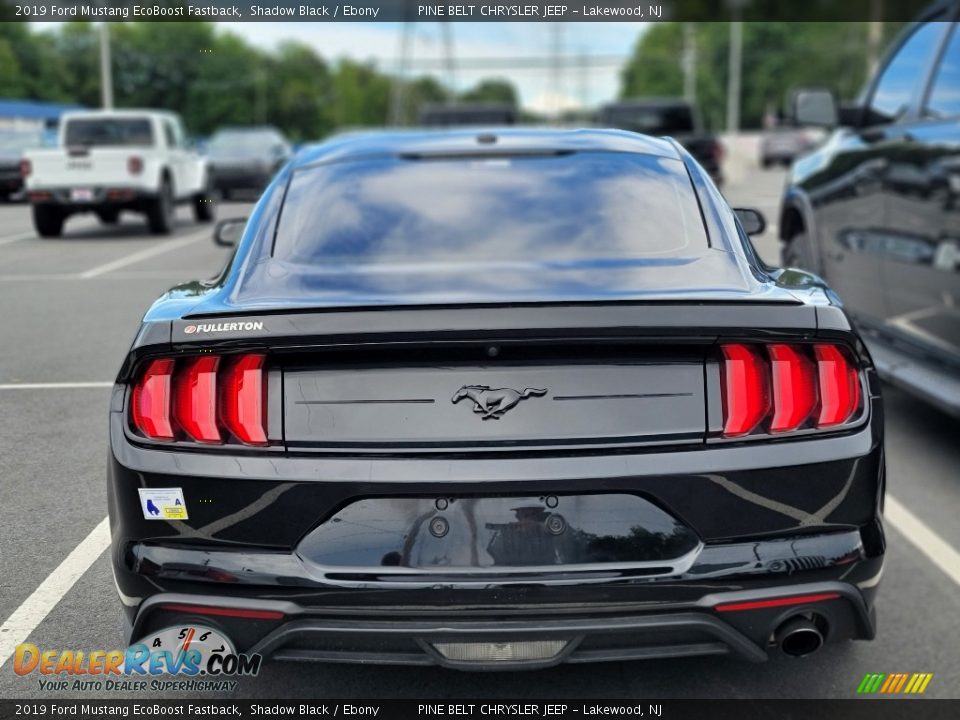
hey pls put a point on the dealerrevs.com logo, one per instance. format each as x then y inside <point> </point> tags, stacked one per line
<point>223,327</point>
<point>177,658</point>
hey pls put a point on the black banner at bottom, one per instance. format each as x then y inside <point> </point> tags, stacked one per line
<point>562,709</point>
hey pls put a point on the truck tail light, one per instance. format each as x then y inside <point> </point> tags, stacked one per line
<point>26,167</point>
<point>207,399</point>
<point>135,164</point>
<point>780,388</point>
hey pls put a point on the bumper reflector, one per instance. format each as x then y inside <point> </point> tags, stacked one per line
<point>246,613</point>
<point>776,602</point>
<point>516,651</point>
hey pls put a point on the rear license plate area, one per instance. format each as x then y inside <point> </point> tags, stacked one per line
<point>498,534</point>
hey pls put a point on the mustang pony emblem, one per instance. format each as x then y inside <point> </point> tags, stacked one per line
<point>493,403</point>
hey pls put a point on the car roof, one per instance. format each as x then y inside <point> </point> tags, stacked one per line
<point>495,141</point>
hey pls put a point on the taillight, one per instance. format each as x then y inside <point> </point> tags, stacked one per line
<point>794,392</point>
<point>26,167</point>
<point>717,152</point>
<point>745,396</point>
<point>135,164</point>
<point>195,399</point>
<point>839,386</point>
<point>780,388</point>
<point>243,405</point>
<point>202,399</point>
<point>151,401</point>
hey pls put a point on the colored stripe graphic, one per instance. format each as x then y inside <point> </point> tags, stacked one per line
<point>894,683</point>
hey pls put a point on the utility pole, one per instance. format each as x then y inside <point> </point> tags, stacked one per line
<point>106,71</point>
<point>260,90</point>
<point>735,69</point>
<point>449,58</point>
<point>689,62</point>
<point>874,35</point>
<point>556,65</point>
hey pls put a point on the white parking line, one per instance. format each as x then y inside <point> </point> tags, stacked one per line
<point>143,255</point>
<point>54,386</point>
<point>937,550</point>
<point>15,238</point>
<point>24,620</point>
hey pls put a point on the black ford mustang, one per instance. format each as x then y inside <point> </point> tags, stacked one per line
<point>504,399</point>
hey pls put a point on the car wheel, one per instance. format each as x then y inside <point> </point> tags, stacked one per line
<point>792,254</point>
<point>48,221</point>
<point>109,217</point>
<point>160,214</point>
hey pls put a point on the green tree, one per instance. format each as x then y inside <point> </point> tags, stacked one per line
<point>299,92</point>
<point>491,90</point>
<point>361,95</point>
<point>777,56</point>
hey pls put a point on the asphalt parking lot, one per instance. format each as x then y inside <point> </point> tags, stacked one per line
<point>68,310</point>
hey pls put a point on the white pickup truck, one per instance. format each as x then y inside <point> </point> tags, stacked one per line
<point>108,161</point>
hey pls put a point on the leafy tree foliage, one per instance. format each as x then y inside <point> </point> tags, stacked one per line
<point>214,78</point>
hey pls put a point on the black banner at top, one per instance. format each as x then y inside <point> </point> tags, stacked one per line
<point>423,10</point>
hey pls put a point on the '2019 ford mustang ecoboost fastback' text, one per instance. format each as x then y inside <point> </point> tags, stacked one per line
<point>498,399</point>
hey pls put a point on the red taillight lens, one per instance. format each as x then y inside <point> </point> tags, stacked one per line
<point>839,386</point>
<point>794,388</point>
<point>245,613</point>
<point>151,401</point>
<point>799,386</point>
<point>243,403</point>
<point>135,164</point>
<point>201,399</point>
<point>26,167</point>
<point>195,399</point>
<point>745,396</point>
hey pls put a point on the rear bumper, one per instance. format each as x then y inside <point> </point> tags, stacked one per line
<point>559,634</point>
<point>101,197</point>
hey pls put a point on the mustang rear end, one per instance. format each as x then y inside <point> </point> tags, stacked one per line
<point>498,400</point>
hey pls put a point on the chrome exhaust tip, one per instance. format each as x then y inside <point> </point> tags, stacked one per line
<point>798,637</point>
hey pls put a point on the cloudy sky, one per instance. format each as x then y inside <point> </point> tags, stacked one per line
<point>380,42</point>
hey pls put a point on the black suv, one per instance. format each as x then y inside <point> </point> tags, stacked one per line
<point>876,209</point>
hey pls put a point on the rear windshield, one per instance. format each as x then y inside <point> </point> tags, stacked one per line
<point>594,205</point>
<point>113,132</point>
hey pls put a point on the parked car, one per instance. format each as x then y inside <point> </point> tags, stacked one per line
<point>876,209</point>
<point>109,161</point>
<point>498,400</point>
<point>246,158</point>
<point>782,145</point>
<point>13,144</point>
<point>667,116</point>
<point>460,114</point>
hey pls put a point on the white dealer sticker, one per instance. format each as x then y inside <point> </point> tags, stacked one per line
<point>163,503</point>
